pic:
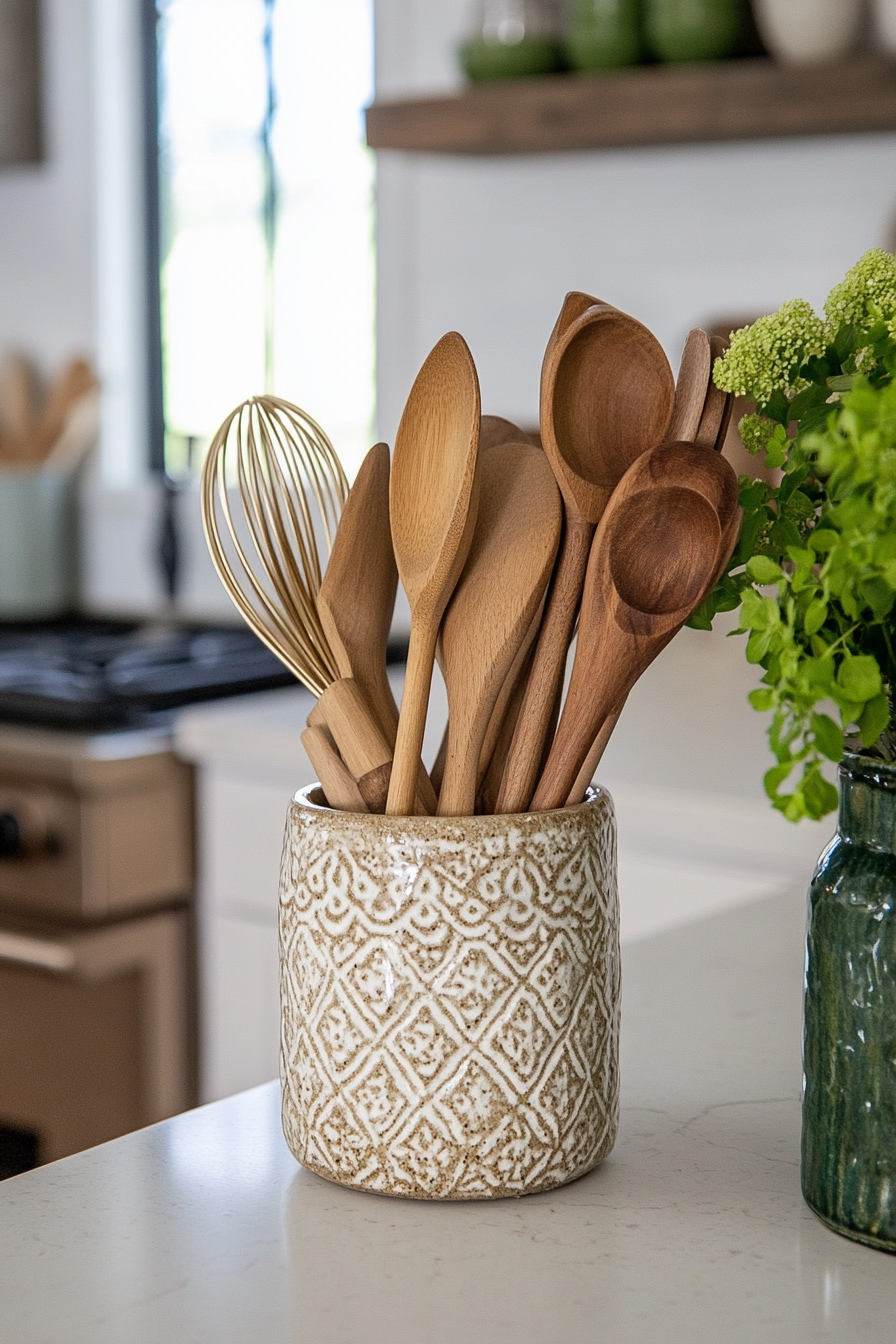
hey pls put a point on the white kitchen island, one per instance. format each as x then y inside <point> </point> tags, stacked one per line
<point>203,1230</point>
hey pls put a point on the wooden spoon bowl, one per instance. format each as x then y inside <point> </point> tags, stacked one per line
<point>607,393</point>
<point>669,521</point>
<point>433,504</point>
<point>655,556</point>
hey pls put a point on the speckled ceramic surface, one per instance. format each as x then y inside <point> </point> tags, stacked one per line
<point>450,998</point>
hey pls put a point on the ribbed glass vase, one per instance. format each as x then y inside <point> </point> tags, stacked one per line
<point>849,1038</point>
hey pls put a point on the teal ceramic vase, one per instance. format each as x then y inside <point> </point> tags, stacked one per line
<point>694,30</point>
<point>849,1032</point>
<point>603,34</point>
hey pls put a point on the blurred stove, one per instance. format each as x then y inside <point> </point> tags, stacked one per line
<point>97,948</point>
<point>92,674</point>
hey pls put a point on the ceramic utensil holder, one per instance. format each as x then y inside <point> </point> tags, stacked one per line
<point>38,572</point>
<point>449,998</point>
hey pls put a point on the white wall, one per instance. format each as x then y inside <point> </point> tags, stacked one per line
<point>46,210</point>
<point>677,236</point>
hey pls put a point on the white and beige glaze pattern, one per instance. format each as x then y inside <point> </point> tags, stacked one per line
<point>450,998</point>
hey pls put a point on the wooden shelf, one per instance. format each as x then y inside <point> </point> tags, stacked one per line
<point>650,105</point>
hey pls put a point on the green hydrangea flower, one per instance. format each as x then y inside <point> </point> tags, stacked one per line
<point>866,294</point>
<point>767,357</point>
<point>757,432</point>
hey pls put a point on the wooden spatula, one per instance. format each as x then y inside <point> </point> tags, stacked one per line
<point>357,592</point>
<point>502,585</point>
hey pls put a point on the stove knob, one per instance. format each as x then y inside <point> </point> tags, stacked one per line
<point>10,836</point>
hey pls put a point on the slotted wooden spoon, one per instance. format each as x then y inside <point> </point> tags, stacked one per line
<point>514,546</point>
<point>433,502</point>
<point>606,397</point>
<point>654,557</point>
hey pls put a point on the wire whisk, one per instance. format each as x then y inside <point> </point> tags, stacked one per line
<point>291,489</point>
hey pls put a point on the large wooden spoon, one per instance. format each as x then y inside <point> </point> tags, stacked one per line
<point>655,555</point>
<point>606,397</point>
<point>433,503</point>
<point>502,585</point>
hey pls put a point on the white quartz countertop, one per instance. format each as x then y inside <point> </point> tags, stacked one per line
<point>203,1230</point>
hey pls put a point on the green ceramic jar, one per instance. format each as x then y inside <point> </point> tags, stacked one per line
<point>694,30</point>
<point>849,1040</point>
<point>604,33</point>
<point>512,39</point>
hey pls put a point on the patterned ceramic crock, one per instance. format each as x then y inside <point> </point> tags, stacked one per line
<point>450,998</point>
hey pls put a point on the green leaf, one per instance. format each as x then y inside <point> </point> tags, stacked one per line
<point>828,737</point>
<point>774,778</point>
<point>763,698</point>
<point>822,539</point>
<point>819,795</point>
<point>816,615</point>
<point>763,570</point>
<point>799,507</point>
<point>752,496</point>
<point>784,534</point>
<point>859,677</point>
<point>879,596</point>
<point>778,408</point>
<point>758,645</point>
<point>818,673</point>
<point>844,342</point>
<point>776,453</point>
<point>701,618</point>
<point>874,719</point>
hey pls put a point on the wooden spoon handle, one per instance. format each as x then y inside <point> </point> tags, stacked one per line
<point>593,759</point>
<point>694,374</point>
<point>356,732</point>
<point>412,721</point>
<point>546,679</point>
<point>717,405</point>
<point>335,778</point>
<point>493,771</point>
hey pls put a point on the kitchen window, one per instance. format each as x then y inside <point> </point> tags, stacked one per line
<point>266,216</point>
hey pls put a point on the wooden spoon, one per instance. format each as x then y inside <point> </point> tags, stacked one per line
<point>691,389</point>
<point>730,535</point>
<point>606,397</point>
<point>653,560</point>
<point>433,503</point>
<point>488,618</point>
<point>495,430</point>
<point>717,407</point>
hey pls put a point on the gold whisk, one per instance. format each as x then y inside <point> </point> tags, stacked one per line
<point>291,488</point>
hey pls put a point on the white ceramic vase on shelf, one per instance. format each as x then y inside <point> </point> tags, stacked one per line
<point>884,15</point>
<point>809,32</point>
